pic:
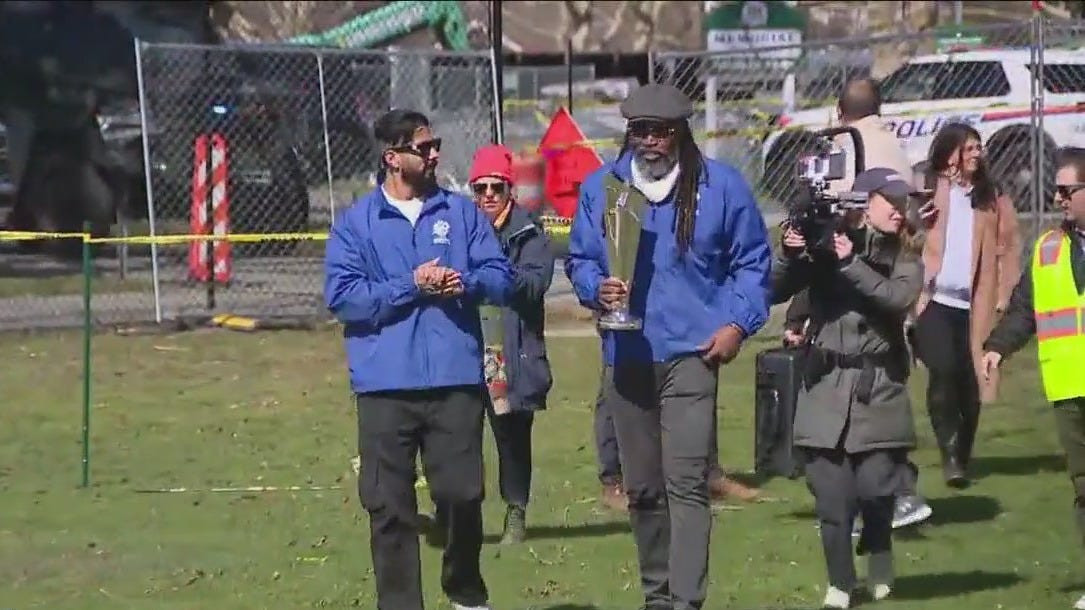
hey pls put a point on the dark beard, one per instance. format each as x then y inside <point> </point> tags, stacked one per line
<point>422,180</point>
<point>656,168</point>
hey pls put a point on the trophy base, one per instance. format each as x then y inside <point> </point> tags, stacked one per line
<point>619,320</point>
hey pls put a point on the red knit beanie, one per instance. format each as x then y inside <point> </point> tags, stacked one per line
<point>493,161</point>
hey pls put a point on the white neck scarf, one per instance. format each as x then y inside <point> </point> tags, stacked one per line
<point>654,190</point>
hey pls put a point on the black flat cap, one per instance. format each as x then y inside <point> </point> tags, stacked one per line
<point>656,101</point>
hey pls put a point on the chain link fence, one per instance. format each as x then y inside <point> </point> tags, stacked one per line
<point>256,139</point>
<point>758,111</point>
<point>293,129</point>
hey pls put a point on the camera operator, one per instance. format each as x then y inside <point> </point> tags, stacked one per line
<point>854,417</point>
<point>859,106</point>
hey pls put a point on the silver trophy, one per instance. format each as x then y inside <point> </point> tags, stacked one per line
<point>622,227</point>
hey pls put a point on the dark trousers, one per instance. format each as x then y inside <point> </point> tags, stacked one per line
<point>446,424</point>
<point>606,441</point>
<point>512,435</point>
<point>663,416</point>
<point>953,400</point>
<point>845,485</point>
<point>1070,423</point>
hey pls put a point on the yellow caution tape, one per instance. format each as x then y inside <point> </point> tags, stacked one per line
<point>551,224</point>
<point>228,237</point>
<point>233,322</point>
<point>38,235</point>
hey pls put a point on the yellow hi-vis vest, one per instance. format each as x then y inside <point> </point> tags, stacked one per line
<point>1060,318</point>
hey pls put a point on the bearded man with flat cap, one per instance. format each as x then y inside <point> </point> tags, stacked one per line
<point>701,287</point>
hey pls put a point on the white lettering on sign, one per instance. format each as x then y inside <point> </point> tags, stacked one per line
<point>754,39</point>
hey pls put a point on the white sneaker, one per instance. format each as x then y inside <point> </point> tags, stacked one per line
<point>836,599</point>
<point>1080,605</point>
<point>880,574</point>
<point>459,607</point>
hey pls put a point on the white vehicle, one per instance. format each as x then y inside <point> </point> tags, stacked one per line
<point>990,90</point>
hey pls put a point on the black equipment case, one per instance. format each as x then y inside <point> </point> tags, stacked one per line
<point>778,375</point>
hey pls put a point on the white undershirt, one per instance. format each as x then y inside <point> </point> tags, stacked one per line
<point>411,208</point>
<point>953,284</point>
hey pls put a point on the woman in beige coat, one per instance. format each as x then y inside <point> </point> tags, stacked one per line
<point>971,260</point>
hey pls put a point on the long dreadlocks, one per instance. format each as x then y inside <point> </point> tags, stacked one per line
<point>690,166</point>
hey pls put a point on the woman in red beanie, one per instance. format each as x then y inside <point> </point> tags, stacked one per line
<point>517,369</point>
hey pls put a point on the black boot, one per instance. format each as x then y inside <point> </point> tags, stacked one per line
<point>515,525</point>
<point>952,471</point>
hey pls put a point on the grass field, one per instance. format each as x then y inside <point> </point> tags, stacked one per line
<point>209,409</point>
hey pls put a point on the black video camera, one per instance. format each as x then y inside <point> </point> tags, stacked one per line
<point>817,213</point>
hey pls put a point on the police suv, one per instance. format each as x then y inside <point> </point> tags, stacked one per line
<point>988,89</point>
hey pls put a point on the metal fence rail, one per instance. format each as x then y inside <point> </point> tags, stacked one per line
<point>276,139</point>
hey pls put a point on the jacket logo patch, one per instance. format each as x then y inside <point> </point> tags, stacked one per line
<point>440,232</point>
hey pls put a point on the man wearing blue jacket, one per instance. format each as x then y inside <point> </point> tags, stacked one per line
<point>701,286</point>
<point>406,268</point>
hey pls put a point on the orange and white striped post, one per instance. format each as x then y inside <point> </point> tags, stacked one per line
<point>210,152</point>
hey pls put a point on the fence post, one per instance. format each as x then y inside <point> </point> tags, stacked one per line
<point>711,93</point>
<point>87,272</point>
<point>143,128</point>
<point>327,138</point>
<point>1041,153</point>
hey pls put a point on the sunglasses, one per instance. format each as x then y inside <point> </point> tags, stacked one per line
<point>497,188</point>
<point>655,129</point>
<point>422,149</point>
<point>1067,191</point>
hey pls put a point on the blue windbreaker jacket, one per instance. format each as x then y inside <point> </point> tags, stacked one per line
<point>396,337</point>
<point>722,279</point>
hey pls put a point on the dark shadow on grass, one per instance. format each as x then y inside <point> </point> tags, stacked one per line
<point>589,530</point>
<point>951,584</point>
<point>985,466</point>
<point>802,514</point>
<point>1074,587</point>
<point>963,509</point>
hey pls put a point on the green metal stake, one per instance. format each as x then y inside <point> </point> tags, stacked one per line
<point>86,354</point>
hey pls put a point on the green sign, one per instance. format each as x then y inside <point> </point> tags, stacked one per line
<point>745,27</point>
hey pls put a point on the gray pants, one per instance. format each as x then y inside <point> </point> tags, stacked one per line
<point>663,416</point>
<point>843,485</point>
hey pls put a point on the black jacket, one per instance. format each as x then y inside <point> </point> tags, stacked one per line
<point>1018,324</point>
<point>526,364</point>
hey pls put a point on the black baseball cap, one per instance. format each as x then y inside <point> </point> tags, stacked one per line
<point>884,181</point>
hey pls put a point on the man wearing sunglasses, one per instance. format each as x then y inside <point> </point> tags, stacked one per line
<point>405,270</point>
<point>700,286</point>
<point>1049,303</point>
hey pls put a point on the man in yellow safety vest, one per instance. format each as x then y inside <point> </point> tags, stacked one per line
<point>1049,302</point>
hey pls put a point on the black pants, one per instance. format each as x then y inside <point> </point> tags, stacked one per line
<point>953,400</point>
<point>1070,422</point>
<point>606,441</point>
<point>845,485</point>
<point>446,423</point>
<point>664,415</point>
<point>512,435</point>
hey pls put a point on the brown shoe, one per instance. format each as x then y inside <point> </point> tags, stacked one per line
<point>614,497</point>
<point>722,487</point>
